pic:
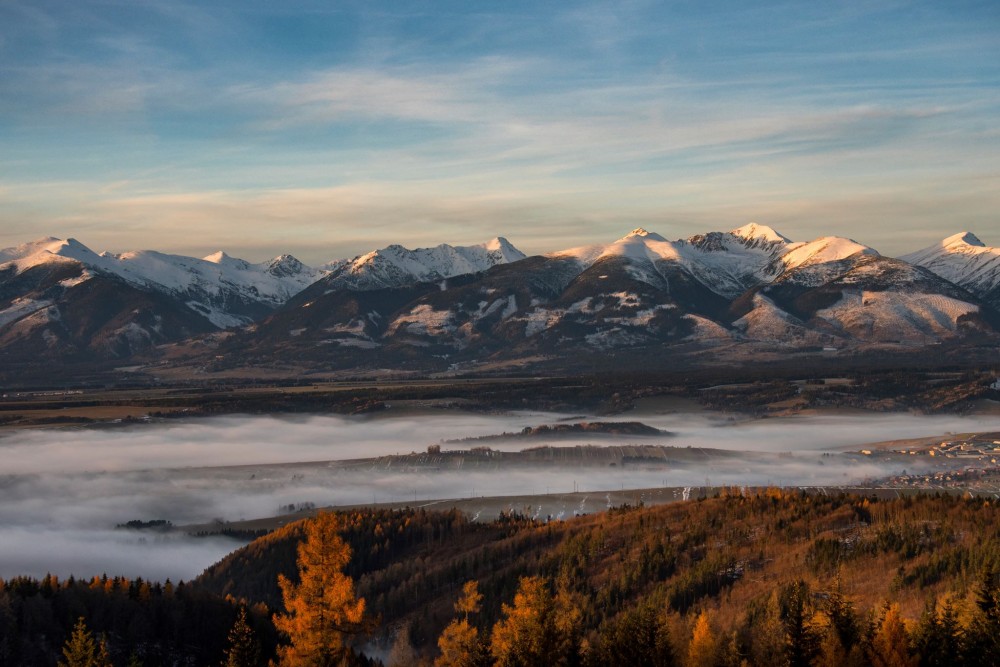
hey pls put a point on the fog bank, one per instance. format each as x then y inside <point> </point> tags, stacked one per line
<point>63,491</point>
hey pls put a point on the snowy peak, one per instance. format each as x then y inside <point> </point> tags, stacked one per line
<point>285,265</point>
<point>45,250</point>
<point>48,244</point>
<point>217,257</point>
<point>964,260</point>
<point>502,251</point>
<point>753,231</point>
<point>963,238</point>
<point>824,250</point>
<point>641,233</point>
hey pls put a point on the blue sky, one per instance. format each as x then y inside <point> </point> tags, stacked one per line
<point>325,129</point>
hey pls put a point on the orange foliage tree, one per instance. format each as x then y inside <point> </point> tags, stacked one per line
<point>322,608</point>
<point>460,643</point>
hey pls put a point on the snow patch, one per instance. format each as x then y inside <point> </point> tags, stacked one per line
<point>18,308</point>
<point>423,320</point>
<point>895,316</point>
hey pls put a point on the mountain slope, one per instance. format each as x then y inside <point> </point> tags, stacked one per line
<point>964,260</point>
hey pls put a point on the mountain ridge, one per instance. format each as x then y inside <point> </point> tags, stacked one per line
<point>746,291</point>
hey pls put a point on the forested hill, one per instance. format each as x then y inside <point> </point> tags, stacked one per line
<point>744,560</point>
<point>757,578</point>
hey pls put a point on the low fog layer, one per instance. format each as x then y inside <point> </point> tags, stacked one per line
<point>62,491</point>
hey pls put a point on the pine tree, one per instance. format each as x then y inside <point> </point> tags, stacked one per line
<point>244,649</point>
<point>322,608</point>
<point>801,638</point>
<point>638,637</point>
<point>938,638</point>
<point>982,641</point>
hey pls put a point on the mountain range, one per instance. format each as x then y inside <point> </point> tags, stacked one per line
<point>712,297</point>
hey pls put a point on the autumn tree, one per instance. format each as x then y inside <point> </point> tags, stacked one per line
<point>321,609</point>
<point>890,643</point>
<point>460,643</point>
<point>244,649</point>
<point>82,650</point>
<point>538,629</point>
<point>703,650</point>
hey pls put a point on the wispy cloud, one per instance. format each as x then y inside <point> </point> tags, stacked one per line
<point>527,120</point>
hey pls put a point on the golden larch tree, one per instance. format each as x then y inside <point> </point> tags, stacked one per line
<point>321,609</point>
<point>704,647</point>
<point>538,629</point>
<point>890,647</point>
<point>459,643</point>
<point>82,650</point>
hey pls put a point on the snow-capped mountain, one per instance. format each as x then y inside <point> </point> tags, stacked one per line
<point>744,289</point>
<point>153,297</point>
<point>727,263</point>
<point>964,260</point>
<point>735,293</point>
<point>225,290</point>
<point>396,266</point>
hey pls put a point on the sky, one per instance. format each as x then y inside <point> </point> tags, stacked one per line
<point>327,129</point>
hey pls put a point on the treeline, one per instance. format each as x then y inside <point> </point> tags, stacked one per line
<point>792,627</point>
<point>140,622</point>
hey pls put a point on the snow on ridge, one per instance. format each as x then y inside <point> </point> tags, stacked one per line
<point>962,259</point>
<point>753,231</point>
<point>46,250</point>
<point>896,317</point>
<point>394,265</point>
<point>823,250</point>
<point>200,280</point>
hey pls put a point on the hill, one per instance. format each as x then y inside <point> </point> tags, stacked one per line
<point>727,556</point>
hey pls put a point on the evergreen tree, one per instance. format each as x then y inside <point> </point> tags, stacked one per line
<point>244,649</point>
<point>322,608</point>
<point>638,637</point>
<point>762,633</point>
<point>982,641</point>
<point>801,638</point>
<point>938,638</point>
<point>843,618</point>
